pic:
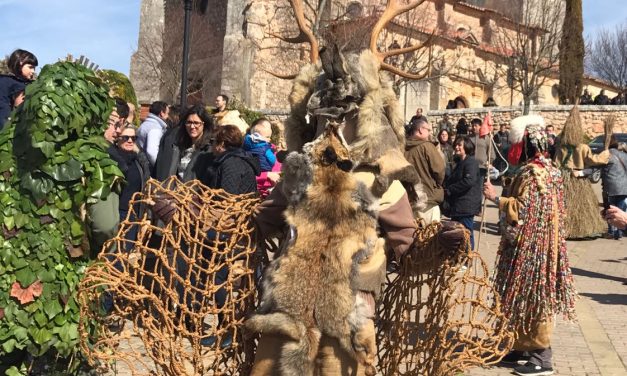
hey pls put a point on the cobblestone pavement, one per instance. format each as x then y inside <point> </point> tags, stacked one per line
<point>597,343</point>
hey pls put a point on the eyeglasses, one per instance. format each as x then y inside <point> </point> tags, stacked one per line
<point>128,138</point>
<point>194,123</point>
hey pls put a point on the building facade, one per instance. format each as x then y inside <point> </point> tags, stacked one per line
<point>242,48</point>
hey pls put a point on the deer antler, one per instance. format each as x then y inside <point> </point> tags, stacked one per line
<point>306,34</point>
<point>393,9</point>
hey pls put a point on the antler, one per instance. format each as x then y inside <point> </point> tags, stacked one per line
<point>393,9</point>
<point>305,33</point>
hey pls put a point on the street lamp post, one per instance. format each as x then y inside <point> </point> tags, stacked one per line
<point>188,14</point>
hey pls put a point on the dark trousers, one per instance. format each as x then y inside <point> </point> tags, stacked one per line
<point>541,357</point>
<point>469,223</point>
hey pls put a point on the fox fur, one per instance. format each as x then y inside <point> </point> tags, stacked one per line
<point>307,289</point>
<point>379,137</point>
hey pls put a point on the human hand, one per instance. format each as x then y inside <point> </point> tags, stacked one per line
<point>164,209</point>
<point>488,191</point>
<point>616,217</point>
<point>274,177</point>
<point>451,235</point>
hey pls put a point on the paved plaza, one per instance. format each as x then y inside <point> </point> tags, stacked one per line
<point>597,343</point>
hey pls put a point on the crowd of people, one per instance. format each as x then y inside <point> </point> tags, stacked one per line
<point>602,99</point>
<point>454,164</point>
<point>462,149</point>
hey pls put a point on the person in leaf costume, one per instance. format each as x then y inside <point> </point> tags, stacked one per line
<point>53,168</point>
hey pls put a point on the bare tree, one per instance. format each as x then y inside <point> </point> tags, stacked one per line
<point>403,35</point>
<point>606,56</point>
<point>529,49</point>
<point>161,56</point>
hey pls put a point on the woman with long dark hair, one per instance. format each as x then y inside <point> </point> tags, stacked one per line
<point>183,147</point>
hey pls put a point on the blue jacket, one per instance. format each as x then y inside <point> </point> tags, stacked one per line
<point>262,150</point>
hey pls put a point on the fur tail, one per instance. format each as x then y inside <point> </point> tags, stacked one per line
<point>297,356</point>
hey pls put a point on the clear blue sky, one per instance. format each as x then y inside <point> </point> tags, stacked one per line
<point>106,30</point>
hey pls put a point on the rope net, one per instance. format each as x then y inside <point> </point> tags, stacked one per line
<point>173,301</point>
<point>439,314</point>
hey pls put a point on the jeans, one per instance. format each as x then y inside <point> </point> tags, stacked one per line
<point>621,203</point>
<point>469,223</point>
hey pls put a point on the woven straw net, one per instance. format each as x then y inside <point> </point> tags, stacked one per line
<point>439,313</point>
<point>163,286</point>
<point>435,318</point>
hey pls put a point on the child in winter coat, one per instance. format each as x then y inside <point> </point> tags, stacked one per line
<point>22,65</point>
<point>258,143</point>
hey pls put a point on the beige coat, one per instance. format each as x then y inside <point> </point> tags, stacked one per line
<point>582,157</point>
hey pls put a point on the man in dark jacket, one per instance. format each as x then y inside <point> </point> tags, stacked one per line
<point>462,190</point>
<point>424,156</point>
<point>602,99</point>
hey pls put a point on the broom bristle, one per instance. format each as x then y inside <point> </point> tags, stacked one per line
<point>608,127</point>
<point>572,134</point>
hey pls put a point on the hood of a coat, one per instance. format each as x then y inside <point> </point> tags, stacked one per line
<point>411,143</point>
<point>250,159</point>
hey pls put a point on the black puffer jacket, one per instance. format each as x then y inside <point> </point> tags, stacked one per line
<point>136,170</point>
<point>462,190</point>
<point>9,86</point>
<point>234,171</point>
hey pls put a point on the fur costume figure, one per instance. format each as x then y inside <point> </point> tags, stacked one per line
<point>307,291</point>
<point>532,275</point>
<point>352,89</point>
<point>334,202</point>
<point>583,218</point>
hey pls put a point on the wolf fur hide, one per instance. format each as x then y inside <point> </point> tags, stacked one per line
<point>307,291</point>
<point>353,90</point>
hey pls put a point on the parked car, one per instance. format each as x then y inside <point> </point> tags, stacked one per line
<point>597,145</point>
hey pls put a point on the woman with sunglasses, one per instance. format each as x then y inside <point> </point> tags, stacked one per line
<point>134,165</point>
<point>185,149</point>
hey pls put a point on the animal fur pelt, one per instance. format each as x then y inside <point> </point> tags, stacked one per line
<point>353,91</point>
<point>307,289</point>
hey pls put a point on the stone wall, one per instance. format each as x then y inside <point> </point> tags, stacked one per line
<point>592,117</point>
<point>143,75</point>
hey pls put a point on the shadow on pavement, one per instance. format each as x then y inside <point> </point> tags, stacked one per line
<point>587,273</point>
<point>619,299</point>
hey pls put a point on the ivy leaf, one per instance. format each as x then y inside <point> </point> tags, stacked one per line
<point>41,319</point>
<point>53,308</point>
<point>8,347</point>
<point>9,222</point>
<point>40,336</point>
<point>25,277</point>
<point>27,295</point>
<point>68,171</point>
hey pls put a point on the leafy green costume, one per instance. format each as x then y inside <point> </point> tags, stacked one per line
<point>53,167</point>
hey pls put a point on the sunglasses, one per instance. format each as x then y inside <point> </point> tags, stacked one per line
<point>128,138</point>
